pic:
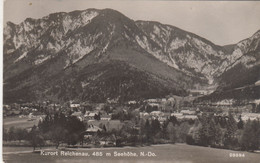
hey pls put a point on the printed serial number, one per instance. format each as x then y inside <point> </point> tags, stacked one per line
<point>236,155</point>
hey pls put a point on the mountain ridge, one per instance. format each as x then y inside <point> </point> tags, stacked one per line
<point>61,41</point>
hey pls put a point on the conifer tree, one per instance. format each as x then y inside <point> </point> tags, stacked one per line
<point>251,136</point>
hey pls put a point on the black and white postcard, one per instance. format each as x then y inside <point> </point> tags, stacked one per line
<point>122,81</point>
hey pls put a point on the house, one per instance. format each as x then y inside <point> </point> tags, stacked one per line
<point>178,115</point>
<point>198,110</point>
<point>190,117</point>
<point>196,92</point>
<point>131,102</point>
<point>164,100</point>
<point>79,115</point>
<point>108,140</point>
<point>6,107</point>
<point>92,130</point>
<point>225,103</point>
<point>188,112</point>
<point>152,100</point>
<point>110,125</point>
<point>171,99</point>
<point>16,112</point>
<point>90,115</point>
<point>187,115</point>
<point>157,113</point>
<point>30,116</point>
<point>143,114</point>
<point>76,114</point>
<point>162,119</point>
<point>112,101</point>
<point>251,116</point>
<point>74,105</point>
<point>105,117</point>
<point>154,104</point>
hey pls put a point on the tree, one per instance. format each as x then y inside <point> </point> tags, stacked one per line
<point>204,130</point>
<point>122,116</point>
<point>11,133</point>
<point>155,127</point>
<point>182,131</point>
<point>231,125</point>
<point>97,116</point>
<point>35,137</point>
<point>73,138</point>
<point>251,136</point>
<point>118,136</point>
<point>62,129</point>
<point>203,135</point>
<point>193,136</point>
<point>142,130</point>
<point>74,129</point>
<point>5,134</point>
<point>164,129</point>
<point>45,125</point>
<point>150,108</point>
<point>147,131</point>
<point>257,108</point>
<point>104,128</point>
<point>174,120</point>
<point>107,109</point>
<point>58,135</point>
<point>212,132</point>
<point>218,135</point>
<point>171,132</point>
<point>21,133</point>
<point>230,139</point>
<point>240,124</point>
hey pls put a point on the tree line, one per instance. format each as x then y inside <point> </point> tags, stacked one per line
<point>207,130</point>
<point>225,132</point>
<point>56,128</point>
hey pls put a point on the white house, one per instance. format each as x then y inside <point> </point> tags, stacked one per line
<point>157,113</point>
<point>251,116</point>
<point>105,117</point>
<point>74,105</point>
<point>90,115</point>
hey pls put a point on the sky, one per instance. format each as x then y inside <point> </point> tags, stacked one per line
<point>221,22</point>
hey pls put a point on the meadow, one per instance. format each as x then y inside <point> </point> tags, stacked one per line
<point>174,153</point>
<point>17,122</point>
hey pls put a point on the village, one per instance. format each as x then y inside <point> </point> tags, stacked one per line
<point>160,109</point>
<point>170,120</point>
<point>112,116</point>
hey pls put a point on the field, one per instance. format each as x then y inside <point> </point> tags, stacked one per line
<point>177,153</point>
<point>19,122</point>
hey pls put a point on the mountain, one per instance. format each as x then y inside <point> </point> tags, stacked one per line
<point>40,54</point>
<point>186,51</point>
<point>241,77</point>
<point>100,55</point>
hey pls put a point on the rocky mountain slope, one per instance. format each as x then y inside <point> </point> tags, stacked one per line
<point>186,51</point>
<point>240,80</point>
<point>243,63</point>
<point>87,50</point>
